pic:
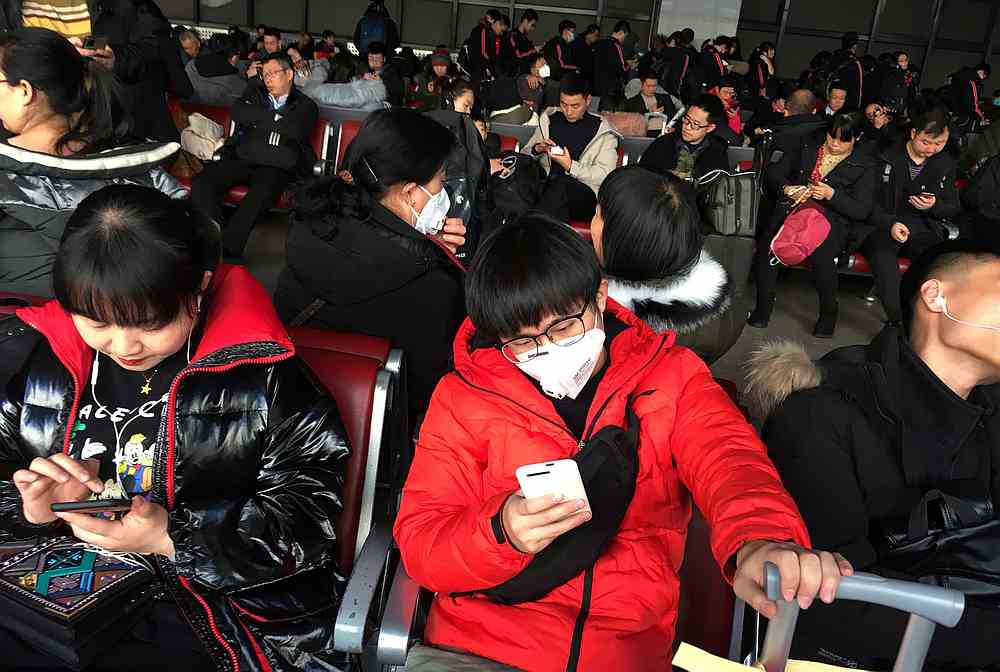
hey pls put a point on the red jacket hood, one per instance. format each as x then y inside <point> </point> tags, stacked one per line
<point>237,299</point>
<point>487,368</point>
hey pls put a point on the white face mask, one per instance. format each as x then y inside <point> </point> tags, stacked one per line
<point>570,36</point>
<point>430,220</point>
<point>975,325</point>
<point>545,71</point>
<point>563,371</point>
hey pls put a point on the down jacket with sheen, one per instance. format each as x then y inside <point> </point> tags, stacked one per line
<point>486,419</point>
<point>249,463</point>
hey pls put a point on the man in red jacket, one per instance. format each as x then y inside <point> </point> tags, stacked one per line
<point>546,362</point>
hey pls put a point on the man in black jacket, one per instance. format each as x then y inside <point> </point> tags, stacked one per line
<point>558,53</point>
<point>610,65</point>
<point>268,150</point>
<point>379,67</point>
<point>713,62</point>
<point>696,150</point>
<point>800,120</point>
<point>862,435</point>
<point>967,94</point>
<point>140,52</point>
<point>648,101</point>
<point>518,46</point>
<point>582,51</point>
<point>677,63</point>
<point>916,191</point>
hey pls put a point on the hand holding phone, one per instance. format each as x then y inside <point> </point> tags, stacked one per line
<point>556,150</point>
<point>97,43</point>
<point>58,478</point>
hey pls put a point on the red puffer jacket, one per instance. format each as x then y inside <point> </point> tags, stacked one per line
<point>486,419</point>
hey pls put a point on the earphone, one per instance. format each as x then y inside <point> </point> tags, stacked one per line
<point>940,302</point>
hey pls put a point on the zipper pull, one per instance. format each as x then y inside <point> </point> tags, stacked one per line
<point>581,444</point>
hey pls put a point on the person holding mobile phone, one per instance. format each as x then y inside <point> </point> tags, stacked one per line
<point>163,378</point>
<point>547,368</point>
<point>916,191</point>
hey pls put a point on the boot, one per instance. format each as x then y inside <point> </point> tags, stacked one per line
<point>826,325</point>
<point>761,315</point>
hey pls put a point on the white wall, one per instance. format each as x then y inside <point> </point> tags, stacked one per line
<point>707,18</point>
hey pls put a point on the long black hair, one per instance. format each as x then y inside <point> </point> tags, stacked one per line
<point>394,146</point>
<point>77,88</point>
<point>652,229</point>
<point>132,256</point>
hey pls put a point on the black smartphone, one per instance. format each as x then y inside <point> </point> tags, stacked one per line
<point>97,43</point>
<point>92,506</point>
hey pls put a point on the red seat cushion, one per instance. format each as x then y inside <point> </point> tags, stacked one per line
<point>961,184</point>
<point>621,156</point>
<point>508,144</point>
<point>583,228</point>
<point>705,611</point>
<point>347,365</point>
<point>860,265</point>
<point>744,166</point>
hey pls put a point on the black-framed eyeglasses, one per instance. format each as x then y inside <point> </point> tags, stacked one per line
<point>563,333</point>
<point>688,121</point>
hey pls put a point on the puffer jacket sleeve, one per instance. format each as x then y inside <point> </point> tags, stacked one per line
<point>444,527</point>
<point>288,523</point>
<point>725,466</point>
<point>598,161</point>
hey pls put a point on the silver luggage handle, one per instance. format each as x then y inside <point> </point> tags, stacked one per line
<point>928,606</point>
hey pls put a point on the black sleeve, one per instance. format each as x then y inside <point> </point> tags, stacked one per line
<point>778,175</point>
<point>661,155</point>
<point>810,439</point>
<point>947,204</point>
<point>177,79</point>
<point>982,185</point>
<point>856,202</point>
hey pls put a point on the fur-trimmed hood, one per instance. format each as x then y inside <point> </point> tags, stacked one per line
<point>680,303</point>
<point>774,371</point>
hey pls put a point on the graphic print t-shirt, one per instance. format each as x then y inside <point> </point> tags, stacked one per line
<point>119,428</point>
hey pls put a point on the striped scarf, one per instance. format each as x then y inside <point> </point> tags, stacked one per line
<point>69,18</point>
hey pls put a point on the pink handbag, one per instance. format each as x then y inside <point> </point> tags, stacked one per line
<point>804,229</point>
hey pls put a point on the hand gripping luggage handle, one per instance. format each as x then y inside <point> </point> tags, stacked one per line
<point>928,606</point>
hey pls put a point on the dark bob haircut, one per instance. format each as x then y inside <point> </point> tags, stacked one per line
<point>526,272</point>
<point>845,126</point>
<point>651,225</point>
<point>133,257</point>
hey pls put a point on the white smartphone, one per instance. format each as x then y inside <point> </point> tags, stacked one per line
<point>560,477</point>
<point>556,151</point>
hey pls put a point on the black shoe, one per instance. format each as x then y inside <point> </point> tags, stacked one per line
<point>826,325</point>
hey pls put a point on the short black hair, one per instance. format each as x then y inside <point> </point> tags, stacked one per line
<point>942,259</point>
<point>376,47</point>
<point>527,271</point>
<point>647,73</point>
<point>845,126</point>
<point>573,84</point>
<point>652,229</point>
<point>712,104</point>
<point>836,84</point>
<point>327,33</point>
<point>723,41</point>
<point>132,256</point>
<point>592,28</point>
<point>503,19</point>
<point>273,32</point>
<point>849,40</point>
<point>529,15</point>
<point>933,121</point>
<point>622,27</point>
<point>261,26</point>
<point>565,25</point>
<point>281,57</point>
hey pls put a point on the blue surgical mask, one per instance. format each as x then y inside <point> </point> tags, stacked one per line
<point>571,36</point>
<point>996,101</point>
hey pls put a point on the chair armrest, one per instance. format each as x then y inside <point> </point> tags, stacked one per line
<point>396,630</point>
<point>362,587</point>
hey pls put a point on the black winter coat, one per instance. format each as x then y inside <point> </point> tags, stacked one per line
<point>256,128</point>
<point>249,463</point>
<point>789,131</point>
<point>892,204</point>
<point>637,104</point>
<point>609,68</point>
<point>853,182</point>
<point>560,57</point>
<point>713,67</point>
<point>387,280</point>
<point>858,438</point>
<point>661,156</point>
<point>983,195</point>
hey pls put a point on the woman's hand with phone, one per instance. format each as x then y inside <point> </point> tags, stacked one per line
<point>58,478</point>
<point>532,524</point>
<point>453,234</point>
<point>142,530</point>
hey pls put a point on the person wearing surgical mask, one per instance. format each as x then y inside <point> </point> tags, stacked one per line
<point>862,435</point>
<point>371,251</point>
<point>531,85</point>
<point>547,367</point>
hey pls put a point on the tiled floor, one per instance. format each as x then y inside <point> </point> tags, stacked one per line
<point>794,315</point>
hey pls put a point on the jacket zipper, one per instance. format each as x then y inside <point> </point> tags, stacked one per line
<point>213,626</point>
<point>576,641</point>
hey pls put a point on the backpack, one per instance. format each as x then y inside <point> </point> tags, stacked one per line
<point>372,28</point>
<point>729,202</point>
<point>803,230</point>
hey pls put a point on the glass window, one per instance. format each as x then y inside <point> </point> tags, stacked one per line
<point>906,17</point>
<point>840,16</point>
<point>760,10</point>
<point>341,16</point>
<point>178,9</point>
<point>286,15</point>
<point>427,22</point>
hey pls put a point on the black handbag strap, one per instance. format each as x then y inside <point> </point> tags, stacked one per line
<point>952,508</point>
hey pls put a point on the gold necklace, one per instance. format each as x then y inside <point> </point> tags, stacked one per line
<point>146,389</point>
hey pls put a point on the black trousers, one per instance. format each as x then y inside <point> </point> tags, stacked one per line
<point>567,198</point>
<point>882,251</point>
<point>208,190</point>
<point>823,262</point>
<point>161,641</point>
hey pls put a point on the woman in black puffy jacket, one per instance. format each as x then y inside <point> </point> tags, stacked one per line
<point>232,458</point>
